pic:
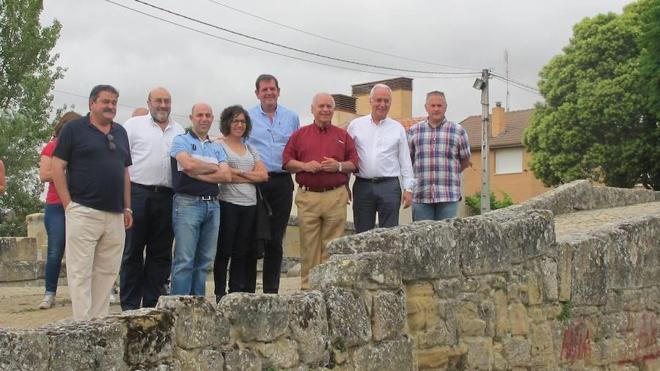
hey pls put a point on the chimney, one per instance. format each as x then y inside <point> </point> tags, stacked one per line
<point>401,107</point>
<point>497,120</point>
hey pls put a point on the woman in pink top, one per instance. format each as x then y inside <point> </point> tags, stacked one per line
<point>54,216</point>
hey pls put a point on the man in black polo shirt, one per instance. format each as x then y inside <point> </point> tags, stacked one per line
<point>90,172</point>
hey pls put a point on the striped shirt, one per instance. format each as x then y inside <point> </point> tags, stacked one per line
<point>243,194</point>
<point>436,155</point>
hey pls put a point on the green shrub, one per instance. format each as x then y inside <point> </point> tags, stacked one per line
<point>474,202</point>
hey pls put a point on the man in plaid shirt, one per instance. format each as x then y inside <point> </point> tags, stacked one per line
<point>440,151</point>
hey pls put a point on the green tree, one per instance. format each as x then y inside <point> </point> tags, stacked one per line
<point>650,58</point>
<point>27,76</point>
<point>595,122</point>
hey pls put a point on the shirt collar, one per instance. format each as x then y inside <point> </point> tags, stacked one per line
<point>321,130</point>
<point>442,123</point>
<point>192,134</point>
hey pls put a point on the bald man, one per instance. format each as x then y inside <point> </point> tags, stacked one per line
<point>198,165</point>
<point>143,276</point>
<point>322,156</point>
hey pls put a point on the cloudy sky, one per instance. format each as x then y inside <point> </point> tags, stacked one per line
<point>102,42</point>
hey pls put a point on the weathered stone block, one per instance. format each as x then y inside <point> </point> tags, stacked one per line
<point>256,317</point>
<point>548,269</point>
<point>347,316</point>
<point>480,353</point>
<point>13,249</point>
<point>482,246</point>
<point>282,353</point>
<point>442,357</point>
<point>501,313</point>
<point>370,270</point>
<point>23,350</point>
<point>468,320</point>
<point>309,326</point>
<point>528,234</point>
<point>431,251</point>
<point>565,270</point>
<point>440,334</point>
<point>517,351</point>
<point>388,314</point>
<point>392,355</point>
<point>200,359</point>
<point>149,336</point>
<point>196,323</point>
<point>589,274</point>
<point>14,271</point>
<point>518,319</point>
<point>541,337</point>
<point>86,345</point>
<point>243,360</point>
<point>487,314</point>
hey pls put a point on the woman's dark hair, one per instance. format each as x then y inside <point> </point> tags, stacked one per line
<point>229,114</point>
<point>69,116</point>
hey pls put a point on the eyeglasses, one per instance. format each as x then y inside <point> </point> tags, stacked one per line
<point>237,122</point>
<point>111,142</point>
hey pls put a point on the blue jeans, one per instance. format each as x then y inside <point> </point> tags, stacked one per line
<point>55,227</point>
<point>435,211</point>
<point>196,225</point>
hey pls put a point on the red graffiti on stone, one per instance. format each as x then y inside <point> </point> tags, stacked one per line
<point>577,342</point>
<point>643,343</point>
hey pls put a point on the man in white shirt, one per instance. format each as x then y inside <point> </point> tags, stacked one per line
<point>384,154</point>
<point>144,276</point>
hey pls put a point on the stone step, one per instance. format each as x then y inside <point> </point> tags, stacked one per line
<point>13,249</point>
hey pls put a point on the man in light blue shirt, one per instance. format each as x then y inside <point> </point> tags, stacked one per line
<point>272,125</point>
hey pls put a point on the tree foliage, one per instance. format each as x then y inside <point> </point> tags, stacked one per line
<point>27,76</point>
<point>595,122</point>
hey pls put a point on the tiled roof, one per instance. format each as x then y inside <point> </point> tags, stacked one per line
<point>511,136</point>
<point>407,123</point>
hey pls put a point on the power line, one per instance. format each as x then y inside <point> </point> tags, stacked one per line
<point>278,53</point>
<point>348,61</point>
<point>516,83</point>
<point>331,39</point>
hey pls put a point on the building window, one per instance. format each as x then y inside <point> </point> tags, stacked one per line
<point>509,161</point>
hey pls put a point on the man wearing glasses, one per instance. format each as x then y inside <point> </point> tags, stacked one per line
<point>143,276</point>
<point>90,172</point>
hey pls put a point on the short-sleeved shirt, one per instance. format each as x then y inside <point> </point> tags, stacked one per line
<point>243,194</point>
<point>311,143</point>
<point>436,154</point>
<point>51,195</point>
<point>270,137</point>
<point>201,149</point>
<point>95,168</point>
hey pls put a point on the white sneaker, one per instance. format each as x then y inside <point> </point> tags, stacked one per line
<point>48,302</point>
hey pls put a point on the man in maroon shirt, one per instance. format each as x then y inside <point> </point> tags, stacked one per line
<point>322,156</point>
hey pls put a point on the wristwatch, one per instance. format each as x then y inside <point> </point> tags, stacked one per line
<point>339,168</point>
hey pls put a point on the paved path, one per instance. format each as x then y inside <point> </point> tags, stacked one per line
<point>583,222</point>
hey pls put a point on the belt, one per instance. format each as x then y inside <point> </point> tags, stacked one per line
<point>153,188</point>
<point>376,179</point>
<point>199,198</point>
<point>316,189</point>
<point>278,173</point>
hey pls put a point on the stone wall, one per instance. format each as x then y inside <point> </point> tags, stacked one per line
<point>494,292</point>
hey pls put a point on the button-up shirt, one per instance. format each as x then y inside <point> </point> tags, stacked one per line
<point>150,150</point>
<point>383,149</point>
<point>311,143</point>
<point>270,137</point>
<point>436,155</point>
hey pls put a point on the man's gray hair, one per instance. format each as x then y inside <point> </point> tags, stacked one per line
<point>379,86</point>
<point>317,95</point>
<point>435,92</point>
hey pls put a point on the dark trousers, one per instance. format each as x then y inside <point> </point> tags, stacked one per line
<point>235,243</point>
<point>382,198</point>
<point>143,277</point>
<point>278,191</point>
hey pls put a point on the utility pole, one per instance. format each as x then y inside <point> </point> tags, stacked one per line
<point>485,148</point>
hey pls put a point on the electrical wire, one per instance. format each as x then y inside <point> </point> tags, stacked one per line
<point>517,84</point>
<point>278,53</point>
<point>254,38</point>
<point>339,42</point>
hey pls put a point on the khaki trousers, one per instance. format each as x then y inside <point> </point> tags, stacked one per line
<point>321,218</point>
<point>94,244</point>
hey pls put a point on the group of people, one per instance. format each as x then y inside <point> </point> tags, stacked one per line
<point>120,196</point>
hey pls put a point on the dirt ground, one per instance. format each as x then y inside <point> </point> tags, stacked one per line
<point>19,305</point>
